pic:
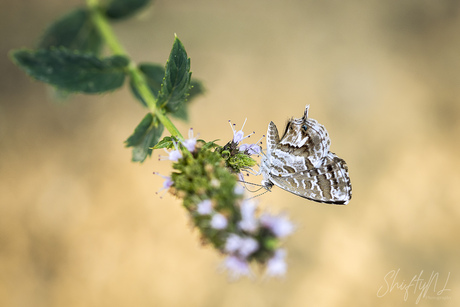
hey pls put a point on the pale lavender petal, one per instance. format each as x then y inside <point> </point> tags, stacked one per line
<point>243,147</point>
<point>248,207</point>
<point>249,225</point>
<point>190,144</point>
<point>237,267</point>
<point>248,221</point>
<point>253,149</point>
<point>239,189</point>
<point>218,221</point>
<point>248,246</point>
<point>167,183</point>
<point>204,207</point>
<point>233,243</point>
<point>279,225</point>
<point>238,136</point>
<point>276,266</point>
<point>175,155</point>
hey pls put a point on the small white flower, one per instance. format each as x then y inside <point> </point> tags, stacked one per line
<point>248,246</point>
<point>276,266</point>
<point>239,189</point>
<point>190,143</point>
<point>166,184</point>
<point>243,147</point>
<point>242,246</point>
<point>204,207</point>
<point>238,136</point>
<point>173,155</point>
<point>237,267</point>
<point>233,243</point>
<point>279,225</point>
<point>218,221</point>
<point>248,208</point>
<point>248,221</point>
<point>253,149</point>
<point>248,225</point>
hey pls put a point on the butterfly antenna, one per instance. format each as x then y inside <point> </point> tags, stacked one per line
<point>255,184</point>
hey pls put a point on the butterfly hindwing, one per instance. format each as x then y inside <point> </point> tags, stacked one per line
<point>329,183</point>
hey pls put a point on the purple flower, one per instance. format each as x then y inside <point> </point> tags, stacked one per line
<point>238,136</point>
<point>237,267</point>
<point>190,143</point>
<point>243,147</point>
<point>280,226</point>
<point>252,149</point>
<point>248,221</point>
<point>276,266</point>
<point>218,221</point>
<point>204,207</point>
<point>173,155</point>
<point>233,243</point>
<point>166,184</point>
<point>248,246</point>
<point>243,246</point>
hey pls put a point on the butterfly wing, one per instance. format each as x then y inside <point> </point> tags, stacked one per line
<point>307,138</point>
<point>328,183</point>
<point>303,146</point>
<point>279,159</point>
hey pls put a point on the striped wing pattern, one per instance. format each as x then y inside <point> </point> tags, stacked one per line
<point>301,163</point>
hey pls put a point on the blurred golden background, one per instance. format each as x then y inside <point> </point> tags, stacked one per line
<point>81,225</point>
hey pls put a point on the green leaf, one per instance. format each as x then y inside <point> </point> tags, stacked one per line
<point>145,137</point>
<point>176,82</point>
<point>74,31</point>
<point>166,142</point>
<point>154,75</point>
<point>118,9</point>
<point>71,71</point>
<point>211,144</point>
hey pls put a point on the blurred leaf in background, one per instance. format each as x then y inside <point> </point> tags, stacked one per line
<point>71,71</point>
<point>74,31</point>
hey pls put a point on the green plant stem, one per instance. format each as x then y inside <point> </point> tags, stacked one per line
<point>136,75</point>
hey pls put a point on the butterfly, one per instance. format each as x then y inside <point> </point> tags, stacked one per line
<point>300,162</point>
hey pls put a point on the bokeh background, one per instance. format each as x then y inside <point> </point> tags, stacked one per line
<point>81,225</point>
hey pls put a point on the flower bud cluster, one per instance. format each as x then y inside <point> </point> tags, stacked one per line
<point>214,198</point>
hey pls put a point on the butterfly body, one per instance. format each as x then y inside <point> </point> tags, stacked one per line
<point>300,162</point>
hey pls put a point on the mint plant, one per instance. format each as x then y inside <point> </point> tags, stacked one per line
<point>205,175</point>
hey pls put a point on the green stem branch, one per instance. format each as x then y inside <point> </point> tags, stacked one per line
<point>136,75</point>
